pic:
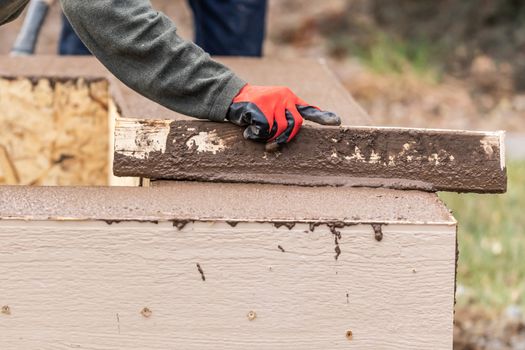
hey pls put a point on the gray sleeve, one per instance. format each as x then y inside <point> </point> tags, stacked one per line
<point>11,9</point>
<point>140,46</point>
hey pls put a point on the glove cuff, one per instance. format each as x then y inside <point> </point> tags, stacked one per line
<point>222,102</point>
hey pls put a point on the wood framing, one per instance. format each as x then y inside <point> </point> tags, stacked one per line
<point>424,159</point>
<point>213,265</point>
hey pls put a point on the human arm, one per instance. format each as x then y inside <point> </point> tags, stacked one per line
<point>140,46</point>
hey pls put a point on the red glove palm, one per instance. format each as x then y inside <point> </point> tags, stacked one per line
<point>274,113</point>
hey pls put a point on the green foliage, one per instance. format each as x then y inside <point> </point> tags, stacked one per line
<point>491,235</point>
<point>385,54</point>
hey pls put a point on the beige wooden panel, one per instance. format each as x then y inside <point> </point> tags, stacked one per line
<point>83,285</point>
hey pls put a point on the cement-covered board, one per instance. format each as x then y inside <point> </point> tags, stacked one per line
<point>197,201</point>
<point>424,159</point>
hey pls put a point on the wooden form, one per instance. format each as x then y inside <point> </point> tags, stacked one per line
<point>41,76</point>
<point>432,160</point>
<point>223,266</point>
<point>226,266</point>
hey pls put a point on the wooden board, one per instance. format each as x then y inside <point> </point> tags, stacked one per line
<point>225,266</point>
<point>424,159</point>
<point>208,285</point>
<point>8,174</point>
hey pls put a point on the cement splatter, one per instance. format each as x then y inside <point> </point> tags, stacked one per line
<point>206,141</point>
<point>378,232</point>
<point>201,271</point>
<point>287,224</point>
<point>337,237</point>
<point>180,224</point>
<point>111,222</point>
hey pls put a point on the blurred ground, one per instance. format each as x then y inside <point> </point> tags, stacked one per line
<point>446,64</point>
<point>452,64</point>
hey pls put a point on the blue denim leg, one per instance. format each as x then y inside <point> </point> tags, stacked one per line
<point>229,27</point>
<point>70,43</point>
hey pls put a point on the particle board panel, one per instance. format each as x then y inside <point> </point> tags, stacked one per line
<point>214,285</point>
<point>404,158</point>
<point>54,133</point>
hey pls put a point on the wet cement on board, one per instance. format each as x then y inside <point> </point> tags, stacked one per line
<point>181,202</point>
<point>337,156</point>
<point>378,232</point>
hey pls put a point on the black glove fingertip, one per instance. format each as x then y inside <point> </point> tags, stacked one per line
<point>318,116</point>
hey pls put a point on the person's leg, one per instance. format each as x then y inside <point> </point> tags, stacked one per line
<point>229,27</point>
<point>70,43</point>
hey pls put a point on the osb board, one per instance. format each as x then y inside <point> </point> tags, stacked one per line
<point>208,285</point>
<point>54,132</point>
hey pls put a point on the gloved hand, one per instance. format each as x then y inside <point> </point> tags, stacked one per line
<point>274,113</point>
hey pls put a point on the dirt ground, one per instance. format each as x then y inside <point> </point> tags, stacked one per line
<point>480,82</point>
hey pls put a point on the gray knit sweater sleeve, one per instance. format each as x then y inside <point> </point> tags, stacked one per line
<point>11,9</point>
<point>140,46</point>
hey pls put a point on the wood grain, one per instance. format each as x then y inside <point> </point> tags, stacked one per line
<point>55,132</point>
<point>91,285</point>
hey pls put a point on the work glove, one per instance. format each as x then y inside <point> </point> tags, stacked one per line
<point>274,113</point>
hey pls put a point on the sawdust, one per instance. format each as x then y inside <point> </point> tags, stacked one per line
<point>53,132</point>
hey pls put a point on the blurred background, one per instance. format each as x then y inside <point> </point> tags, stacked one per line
<point>456,64</point>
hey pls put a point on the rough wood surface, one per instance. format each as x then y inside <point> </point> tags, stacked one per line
<point>91,285</point>
<point>54,132</point>
<point>432,160</point>
<point>8,174</point>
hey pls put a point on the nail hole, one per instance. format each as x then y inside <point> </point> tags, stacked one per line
<point>349,335</point>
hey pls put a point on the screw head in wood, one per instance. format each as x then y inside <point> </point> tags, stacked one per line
<point>6,310</point>
<point>252,315</point>
<point>146,312</point>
